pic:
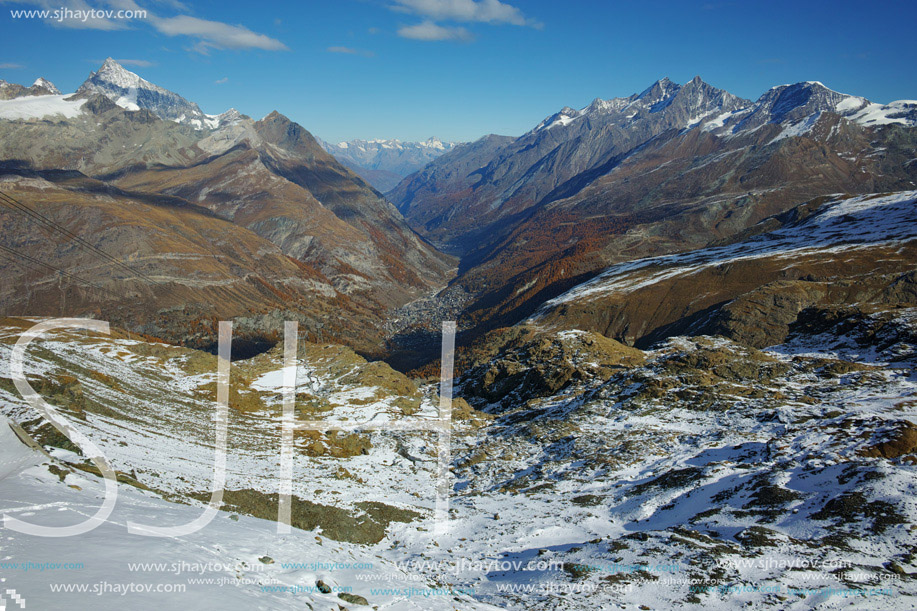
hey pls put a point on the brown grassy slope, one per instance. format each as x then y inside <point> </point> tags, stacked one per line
<point>203,267</point>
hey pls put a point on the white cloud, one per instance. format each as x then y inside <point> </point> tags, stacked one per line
<point>484,11</point>
<point>139,63</point>
<point>216,34</point>
<point>10,66</point>
<point>429,31</point>
<point>220,81</point>
<point>350,51</point>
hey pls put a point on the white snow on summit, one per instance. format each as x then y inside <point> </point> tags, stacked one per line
<point>46,84</point>
<point>131,92</point>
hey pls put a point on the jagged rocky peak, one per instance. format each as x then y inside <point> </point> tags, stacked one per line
<point>43,84</point>
<point>281,131</point>
<point>128,90</point>
<point>132,92</point>
<point>660,91</point>
<point>697,101</point>
<point>114,74</point>
<point>803,99</point>
<point>683,105</point>
<point>697,88</point>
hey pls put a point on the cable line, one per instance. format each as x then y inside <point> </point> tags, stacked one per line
<point>15,204</point>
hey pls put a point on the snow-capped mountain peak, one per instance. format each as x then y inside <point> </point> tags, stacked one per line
<point>433,142</point>
<point>799,105</point>
<point>383,163</point>
<point>658,94</point>
<point>563,118</point>
<point>115,74</point>
<point>599,105</point>
<point>684,106</point>
<point>45,84</point>
<point>787,101</point>
<point>132,92</point>
<point>40,88</point>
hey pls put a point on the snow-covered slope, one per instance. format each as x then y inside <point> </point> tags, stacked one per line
<point>236,562</point>
<point>841,225</point>
<point>711,476</point>
<point>700,474</point>
<point>40,107</point>
<point>146,405</point>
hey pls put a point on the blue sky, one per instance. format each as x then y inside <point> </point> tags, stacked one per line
<point>459,69</point>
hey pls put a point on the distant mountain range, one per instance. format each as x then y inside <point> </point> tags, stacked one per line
<point>384,163</point>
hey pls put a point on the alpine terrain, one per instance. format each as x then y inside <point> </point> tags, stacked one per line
<point>659,352</point>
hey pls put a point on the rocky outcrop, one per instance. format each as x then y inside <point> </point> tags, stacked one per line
<point>41,86</point>
<point>519,365</point>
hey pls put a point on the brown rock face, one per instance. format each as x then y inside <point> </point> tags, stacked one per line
<point>901,441</point>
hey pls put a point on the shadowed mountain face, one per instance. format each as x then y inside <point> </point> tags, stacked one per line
<point>670,169</point>
<point>346,249</point>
